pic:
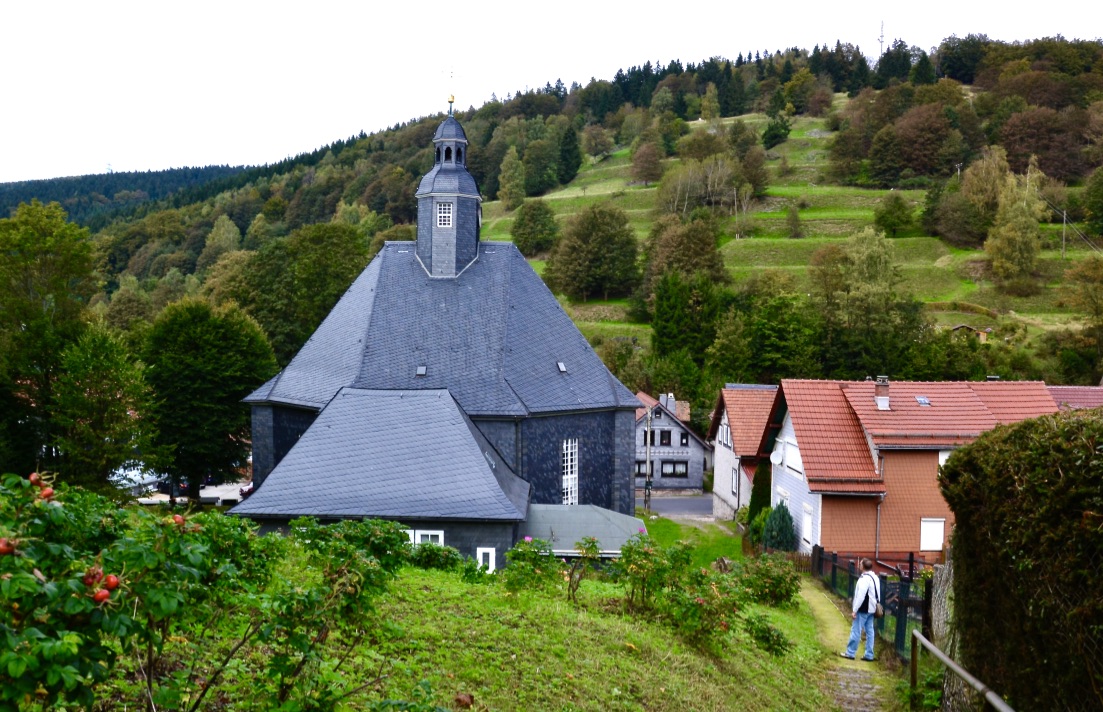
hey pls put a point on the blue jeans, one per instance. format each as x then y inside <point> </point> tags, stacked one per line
<point>863,621</point>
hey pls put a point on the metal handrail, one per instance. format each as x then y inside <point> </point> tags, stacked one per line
<point>991,697</point>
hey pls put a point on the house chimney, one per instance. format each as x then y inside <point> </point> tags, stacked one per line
<point>881,392</point>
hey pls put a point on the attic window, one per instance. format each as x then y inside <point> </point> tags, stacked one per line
<point>923,400</point>
<point>421,370</point>
<point>562,366</point>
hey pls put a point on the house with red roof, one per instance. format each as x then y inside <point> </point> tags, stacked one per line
<point>735,431</point>
<point>857,463</point>
<point>1077,397</point>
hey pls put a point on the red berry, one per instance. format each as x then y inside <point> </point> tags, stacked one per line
<point>46,492</point>
<point>111,582</point>
<point>178,520</point>
<point>36,479</point>
<point>92,576</point>
<point>6,547</point>
<point>102,595</point>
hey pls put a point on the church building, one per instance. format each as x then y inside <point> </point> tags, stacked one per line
<point>447,390</point>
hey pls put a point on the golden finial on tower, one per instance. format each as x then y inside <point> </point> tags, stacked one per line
<point>451,100</point>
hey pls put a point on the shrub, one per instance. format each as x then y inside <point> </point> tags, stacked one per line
<point>760,489</point>
<point>769,579</point>
<point>766,634</point>
<point>428,555</point>
<point>702,605</point>
<point>647,569</point>
<point>777,131</point>
<point>588,555</point>
<point>472,572</point>
<point>1028,542</point>
<point>758,526</point>
<point>531,566</point>
<point>779,532</point>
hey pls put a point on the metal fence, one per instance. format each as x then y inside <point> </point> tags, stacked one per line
<point>905,596</point>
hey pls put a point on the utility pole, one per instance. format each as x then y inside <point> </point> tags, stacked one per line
<point>647,475</point>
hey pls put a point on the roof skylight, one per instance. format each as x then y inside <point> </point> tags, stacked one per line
<point>923,400</point>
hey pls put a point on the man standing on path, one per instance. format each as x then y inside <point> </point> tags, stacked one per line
<point>867,593</point>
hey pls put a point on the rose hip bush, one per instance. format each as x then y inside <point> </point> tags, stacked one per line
<point>175,600</point>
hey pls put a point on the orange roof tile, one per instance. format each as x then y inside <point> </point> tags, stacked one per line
<point>748,408</point>
<point>1076,397</point>
<point>648,402</point>
<point>1012,401</point>
<point>830,436</point>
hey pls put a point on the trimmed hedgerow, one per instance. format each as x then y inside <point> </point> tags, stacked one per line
<point>1028,560</point>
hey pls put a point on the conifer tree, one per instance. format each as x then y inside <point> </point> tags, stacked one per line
<point>570,156</point>
<point>511,180</point>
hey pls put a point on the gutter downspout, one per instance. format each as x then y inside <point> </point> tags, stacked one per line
<point>877,536</point>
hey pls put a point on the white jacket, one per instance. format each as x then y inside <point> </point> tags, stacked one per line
<point>868,583</point>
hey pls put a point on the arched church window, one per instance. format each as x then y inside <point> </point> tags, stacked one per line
<point>448,154</point>
<point>459,155</point>
<point>438,155</point>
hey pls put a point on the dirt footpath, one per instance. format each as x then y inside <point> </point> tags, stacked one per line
<point>855,685</point>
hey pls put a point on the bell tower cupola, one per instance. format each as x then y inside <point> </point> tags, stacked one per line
<point>449,208</point>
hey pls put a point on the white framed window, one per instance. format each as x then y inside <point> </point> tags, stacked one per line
<point>484,557</point>
<point>429,536</point>
<point>782,497</point>
<point>641,468</point>
<point>792,458</point>
<point>932,533</point>
<point>444,215</point>
<point>943,456</point>
<point>806,524</point>
<point>684,440</point>
<point>570,471</point>
<point>735,479</point>
<point>410,533</point>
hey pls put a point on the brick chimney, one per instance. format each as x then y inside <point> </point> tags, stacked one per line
<point>881,392</point>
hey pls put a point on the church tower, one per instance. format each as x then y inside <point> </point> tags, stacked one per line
<point>449,208</point>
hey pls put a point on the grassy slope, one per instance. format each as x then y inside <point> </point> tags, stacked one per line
<point>538,652</point>
<point>930,270</point>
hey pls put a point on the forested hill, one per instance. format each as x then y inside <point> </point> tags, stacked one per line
<point>87,197</point>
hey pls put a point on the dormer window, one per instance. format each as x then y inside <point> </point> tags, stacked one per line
<point>444,215</point>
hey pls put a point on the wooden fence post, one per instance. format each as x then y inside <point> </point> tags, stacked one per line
<point>928,605</point>
<point>834,570</point>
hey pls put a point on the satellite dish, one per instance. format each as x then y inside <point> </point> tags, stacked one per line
<point>776,457</point>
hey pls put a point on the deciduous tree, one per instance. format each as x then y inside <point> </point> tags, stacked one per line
<point>511,180</point>
<point>201,362</point>
<point>534,229</point>
<point>595,255</point>
<point>893,213</point>
<point>647,164</point>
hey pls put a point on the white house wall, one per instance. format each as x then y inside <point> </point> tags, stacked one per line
<point>791,488</point>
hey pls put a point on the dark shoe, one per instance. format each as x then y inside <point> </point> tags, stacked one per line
<point>868,660</point>
<point>844,655</point>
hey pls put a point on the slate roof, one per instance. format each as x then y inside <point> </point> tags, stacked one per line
<point>1076,397</point>
<point>492,337</point>
<point>450,130</point>
<point>563,525</point>
<point>432,463</point>
<point>448,178</point>
<point>838,422</point>
<point>748,407</point>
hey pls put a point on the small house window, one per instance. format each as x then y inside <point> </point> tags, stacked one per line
<point>484,556</point>
<point>657,414</point>
<point>652,437</point>
<point>931,534</point>
<point>735,480</point>
<point>685,439</point>
<point>570,471</point>
<point>429,536</point>
<point>641,468</point>
<point>675,468</point>
<point>444,215</point>
<point>664,437</point>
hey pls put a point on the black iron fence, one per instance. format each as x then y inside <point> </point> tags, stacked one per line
<point>905,594</point>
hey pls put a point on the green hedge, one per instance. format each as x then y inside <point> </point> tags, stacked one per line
<point>1028,560</point>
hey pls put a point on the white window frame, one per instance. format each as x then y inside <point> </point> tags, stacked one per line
<point>736,474</point>
<point>569,459</point>
<point>444,214</point>
<point>490,560</point>
<point>683,439</point>
<point>927,533</point>
<point>432,534</point>
<point>793,461</point>
<point>782,497</point>
<point>806,524</point>
<point>943,456</point>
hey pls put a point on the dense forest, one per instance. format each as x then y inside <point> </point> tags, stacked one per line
<point>980,143</point>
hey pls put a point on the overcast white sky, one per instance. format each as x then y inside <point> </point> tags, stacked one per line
<point>151,85</point>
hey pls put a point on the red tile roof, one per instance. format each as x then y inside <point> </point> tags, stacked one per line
<point>748,408</point>
<point>833,420</point>
<point>828,432</point>
<point>648,402</point>
<point>1076,397</point>
<point>681,408</point>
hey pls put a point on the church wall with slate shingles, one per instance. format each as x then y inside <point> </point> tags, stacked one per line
<point>598,482</point>
<point>275,432</point>
<point>502,434</point>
